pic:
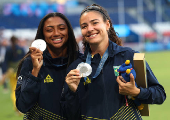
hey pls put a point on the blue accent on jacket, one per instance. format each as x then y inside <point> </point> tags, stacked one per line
<point>101,99</point>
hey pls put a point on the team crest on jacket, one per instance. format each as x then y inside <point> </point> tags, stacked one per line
<point>115,70</point>
<point>87,81</point>
<point>48,79</point>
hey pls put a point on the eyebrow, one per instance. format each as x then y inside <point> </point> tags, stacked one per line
<point>94,20</point>
<point>57,25</point>
<point>91,21</point>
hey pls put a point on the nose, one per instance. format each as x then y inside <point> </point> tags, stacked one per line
<point>90,28</point>
<point>56,32</point>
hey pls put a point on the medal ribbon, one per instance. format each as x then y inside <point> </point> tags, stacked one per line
<point>100,66</point>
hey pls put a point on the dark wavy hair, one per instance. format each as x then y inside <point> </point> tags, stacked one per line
<point>72,46</point>
<point>111,32</point>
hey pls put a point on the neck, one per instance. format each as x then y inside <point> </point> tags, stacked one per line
<point>58,52</point>
<point>99,48</point>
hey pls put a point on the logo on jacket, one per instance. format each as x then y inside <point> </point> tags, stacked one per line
<point>48,79</point>
<point>115,70</point>
<point>87,81</point>
<point>19,51</point>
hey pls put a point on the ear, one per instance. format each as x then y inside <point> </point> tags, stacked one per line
<point>107,25</point>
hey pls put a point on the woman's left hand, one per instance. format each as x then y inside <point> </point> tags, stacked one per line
<point>127,88</point>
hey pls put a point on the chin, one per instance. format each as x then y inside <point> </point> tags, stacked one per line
<point>93,42</point>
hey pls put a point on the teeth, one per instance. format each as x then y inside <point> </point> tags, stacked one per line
<point>57,39</point>
<point>93,35</point>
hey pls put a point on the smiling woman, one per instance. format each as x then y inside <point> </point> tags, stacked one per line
<point>101,95</point>
<point>41,75</point>
<point>94,30</point>
<point>56,35</point>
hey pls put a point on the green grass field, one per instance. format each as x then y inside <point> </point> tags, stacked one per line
<point>160,64</point>
<point>6,107</point>
<point>158,61</point>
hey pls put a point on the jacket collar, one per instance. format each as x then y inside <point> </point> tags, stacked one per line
<point>48,60</point>
<point>113,49</point>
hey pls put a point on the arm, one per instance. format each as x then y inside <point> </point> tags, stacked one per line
<point>70,97</point>
<point>154,94</point>
<point>27,91</point>
<point>70,104</point>
<point>28,85</point>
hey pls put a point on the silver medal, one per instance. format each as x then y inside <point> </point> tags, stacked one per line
<point>40,44</point>
<point>85,69</point>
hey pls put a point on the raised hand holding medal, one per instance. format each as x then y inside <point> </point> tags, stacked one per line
<point>40,44</point>
<point>36,50</point>
<point>85,69</point>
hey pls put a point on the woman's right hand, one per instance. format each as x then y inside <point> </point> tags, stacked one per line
<point>37,60</point>
<point>73,79</point>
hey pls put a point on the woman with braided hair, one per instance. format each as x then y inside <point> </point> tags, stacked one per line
<point>100,96</point>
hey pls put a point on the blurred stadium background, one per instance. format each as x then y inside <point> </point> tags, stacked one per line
<point>143,25</point>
